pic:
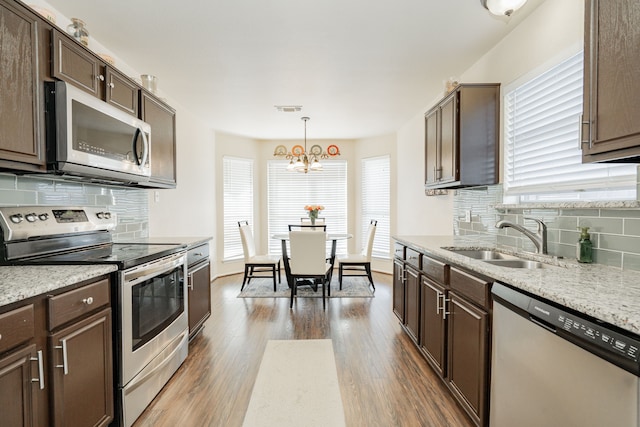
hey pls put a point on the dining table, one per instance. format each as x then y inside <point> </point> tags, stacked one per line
<point>333,237</point>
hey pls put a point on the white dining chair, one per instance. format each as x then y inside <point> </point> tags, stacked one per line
<point>308,262</point>
<point>256,265</point>
<point>359,264</point>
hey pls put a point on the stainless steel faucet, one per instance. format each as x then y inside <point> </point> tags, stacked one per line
<point>539,238</point>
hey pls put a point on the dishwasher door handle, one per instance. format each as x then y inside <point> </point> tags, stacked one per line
<point>543,325</point>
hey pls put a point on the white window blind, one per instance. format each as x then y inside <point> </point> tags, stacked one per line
<point>376,204</point>
<point>542,133</point>
<point>288,193</point>
<point>238,202</point>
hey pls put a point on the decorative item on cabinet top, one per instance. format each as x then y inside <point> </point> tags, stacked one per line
<point>301,160</point>
<point>78,31</point>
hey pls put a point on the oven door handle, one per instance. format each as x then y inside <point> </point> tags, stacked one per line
<point>154,268</point>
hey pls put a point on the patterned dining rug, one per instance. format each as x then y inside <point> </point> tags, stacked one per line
<point>297,385</point>
<point>352,287</point>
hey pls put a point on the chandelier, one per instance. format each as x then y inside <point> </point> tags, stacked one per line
<point>301,160</point>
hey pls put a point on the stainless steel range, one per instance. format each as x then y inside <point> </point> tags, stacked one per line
<point>150,315</point>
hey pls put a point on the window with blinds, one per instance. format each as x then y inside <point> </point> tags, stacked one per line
<point>238,202</point>
<point>288,192</point>
<point>543,160</point>
<point>376,204</point>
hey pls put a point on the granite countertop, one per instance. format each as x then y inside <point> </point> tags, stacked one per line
<point>606,293</point>
<point>22,282</point>
<point>190,241</point>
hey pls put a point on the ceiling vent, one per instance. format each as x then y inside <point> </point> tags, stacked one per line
<point>288,108</point>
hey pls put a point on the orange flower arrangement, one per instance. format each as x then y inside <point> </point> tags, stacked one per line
<point>313,211</point>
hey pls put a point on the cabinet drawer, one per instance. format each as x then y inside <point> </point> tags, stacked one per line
<point>474,288</point>
<point>434,269</point>
<point>197,254</point>
<point>16,327</point>
<point>398,250</point>
<point>70,305</point>
<point>413,258</point>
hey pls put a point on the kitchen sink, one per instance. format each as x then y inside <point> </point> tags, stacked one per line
<point>483,254</point>
<point>516,263</point>
<point>499,259</point>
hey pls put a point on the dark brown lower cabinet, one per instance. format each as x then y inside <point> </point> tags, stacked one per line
<point>16,395</point>
<point>81,383</point>
<point>433,325</point>
<point>398,288</point>
<point>412,302</point>
<point>199,296</point>
<point>468,356</point>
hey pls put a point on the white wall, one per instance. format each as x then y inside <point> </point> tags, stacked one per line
<point>553,31</point>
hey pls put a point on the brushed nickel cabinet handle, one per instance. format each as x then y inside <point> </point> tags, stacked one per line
<point>40,378</point>
<point>65,364</point>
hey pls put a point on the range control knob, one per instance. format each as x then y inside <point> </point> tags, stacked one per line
<point>16,218</point>
<point>103,215</point>
<point>31,217</point>
<point>43,216</point>
<point>107,215</point>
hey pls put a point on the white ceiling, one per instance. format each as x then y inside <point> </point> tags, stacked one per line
<point>359,68</point>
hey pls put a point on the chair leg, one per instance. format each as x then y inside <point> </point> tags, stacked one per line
<point>324,302</point>
<point>293,292</point>
<point>279,278</point>
<point>273,269</point>
<point>368,268</point>
<point>340,275</point>
<point>244,280</point>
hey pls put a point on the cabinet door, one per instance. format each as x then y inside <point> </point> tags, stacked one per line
<point>432,324</point>
<point>431,144</point>
<point>75,65</point>
<point>16,397</point>
<point>468,356</point>
<point>448,156</point>
<point>611,90</point>
<point>82,380</point>
<point>163,140</point>
<point>121,92</point>
<point>199,296</point>
<point>398,289</point>
<point>20,140</point>
<point>412,303</point>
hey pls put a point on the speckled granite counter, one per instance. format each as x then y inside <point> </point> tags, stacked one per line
<point>22,282</point>
<point>606,293</point>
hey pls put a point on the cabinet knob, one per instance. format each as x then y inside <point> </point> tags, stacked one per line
<point>111,85</point>
<point>0,336</point>
<point>88,301</point>
<point>100,77</point>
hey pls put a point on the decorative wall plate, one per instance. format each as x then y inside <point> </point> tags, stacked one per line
<point>333,150</point>
<point>315,150</point>
<point>280,150</point>
<point>297,150</point>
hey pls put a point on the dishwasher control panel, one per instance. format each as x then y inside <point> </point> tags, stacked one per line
<point>600,335</point>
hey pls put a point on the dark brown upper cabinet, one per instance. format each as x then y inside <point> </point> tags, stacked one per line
<point>162,119</point>
<point>76,65</point>
<point>462,138</point>
<point>610,125</point>
<point>21,131</point>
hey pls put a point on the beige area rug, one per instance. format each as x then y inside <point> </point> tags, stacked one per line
<point>352,287</point>
<point>297,385</point>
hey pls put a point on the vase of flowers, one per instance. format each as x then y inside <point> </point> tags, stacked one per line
<point>313,210</point>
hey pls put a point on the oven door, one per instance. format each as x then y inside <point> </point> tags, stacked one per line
<point>153,311</point>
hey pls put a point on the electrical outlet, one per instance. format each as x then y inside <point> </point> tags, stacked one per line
<point>156,196</point>
<point>467,215</point>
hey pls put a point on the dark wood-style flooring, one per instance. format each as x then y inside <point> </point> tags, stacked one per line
<point>384,380</point>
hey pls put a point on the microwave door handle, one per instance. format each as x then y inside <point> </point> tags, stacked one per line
<point>135,146</point>
<point>145,152</point>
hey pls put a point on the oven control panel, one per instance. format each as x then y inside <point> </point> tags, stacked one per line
<point>24,222</point>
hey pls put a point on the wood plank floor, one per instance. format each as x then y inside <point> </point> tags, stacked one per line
<point>384,381</point>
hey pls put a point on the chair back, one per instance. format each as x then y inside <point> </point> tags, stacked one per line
<point>307,227</point>
<point>248,244</point>
<point>368,246</point>
<point>308,254</point>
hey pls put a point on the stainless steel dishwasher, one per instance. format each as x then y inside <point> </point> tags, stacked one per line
<point>553,367</point>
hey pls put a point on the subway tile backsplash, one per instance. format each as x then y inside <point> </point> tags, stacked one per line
<point>615,231</point>
<point>131,205</point>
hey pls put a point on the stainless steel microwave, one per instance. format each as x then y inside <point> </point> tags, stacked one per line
<point>89,139</point>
